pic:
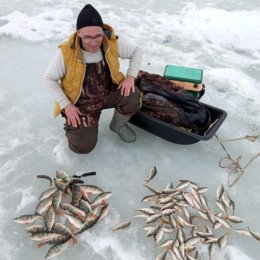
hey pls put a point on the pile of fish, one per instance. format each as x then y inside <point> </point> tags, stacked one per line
<point>65,211</point>
<point>180,219</point>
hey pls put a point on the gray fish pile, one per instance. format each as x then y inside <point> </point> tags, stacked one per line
<point>79,204</point>
<point>179,219</point>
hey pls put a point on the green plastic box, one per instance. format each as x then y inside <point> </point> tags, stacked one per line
<point>186,74</point>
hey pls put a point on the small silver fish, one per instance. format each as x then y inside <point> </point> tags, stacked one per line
<point>203,234</point>
<point>43,205</point>
<point>47,193</point>
<point>104,212</point>
<point>221,205</point>
<point>146,211</point>
<point>207,229</point>
<point>190,242</point>
<point>89,222</point>
<point>196,195</point>
<point>153,218</point>
<point>153,231</point>
<point>182,186</point>
<point>180,235</point>
<point>73,210</point>
<point>40,236</point>
<point>202,189</point>
<point>234,219</point>
<point>91,189</point>
<point>220,191</point>
<point>254,234</point>
<point>74,221</point>
<point>141,216</point>
<point>211,240</point>
<point>168,211</point>
<point>36,229</point>
<point>62,229</point>
<point>202,214</point>
<point>168,206</point>
<point>122,225</point>
<point>152,174</point>
<point>85,205</point>
<point>27,219</point>
<point>204,201</point>
<point>222,241</point>
<point>172,221</point>
<point>101,199</point>
<point>226,200</point>
<point>166,243</point>
<point>217,225</point>
<point>49,219</point>
<point>56,250</point>
<point>168,230</point>
<point>243,232</point>
<point>187,197</point>
<point>152,189</point>
<point>232,206</point>
<point>223,222</point>
<point>164,200</point>
<point>183,222</point>
<point>159,235</point>
<point>149,198</point>
<point>56,199</point>
<point>76,195</point>
<point>58,239</point>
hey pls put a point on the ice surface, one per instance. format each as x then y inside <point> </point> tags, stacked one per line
<point>221,38</point>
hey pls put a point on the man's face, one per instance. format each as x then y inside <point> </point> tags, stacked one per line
<point>91,37</point>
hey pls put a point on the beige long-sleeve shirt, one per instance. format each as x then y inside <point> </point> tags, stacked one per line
<point>56,69</point>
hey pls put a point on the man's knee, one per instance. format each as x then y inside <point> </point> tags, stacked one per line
<point>133,103</point>
<point>83,148</point>
<point>83,140</point>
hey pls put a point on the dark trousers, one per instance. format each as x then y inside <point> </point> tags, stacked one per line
<point>83,139</point>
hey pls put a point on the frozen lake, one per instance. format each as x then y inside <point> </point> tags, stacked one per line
<point>222,39</point>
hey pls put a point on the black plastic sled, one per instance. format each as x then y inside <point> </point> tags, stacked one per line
<point>177,134</point>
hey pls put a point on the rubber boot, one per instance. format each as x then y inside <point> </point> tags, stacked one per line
<point>119,125</point>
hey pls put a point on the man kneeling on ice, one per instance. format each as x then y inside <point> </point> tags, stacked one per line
<point>84,78</point>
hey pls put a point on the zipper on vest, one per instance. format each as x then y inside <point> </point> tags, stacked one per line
<point>81,85</point>
<point>109,66</point>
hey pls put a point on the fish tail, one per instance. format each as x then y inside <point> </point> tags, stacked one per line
<point>74,240</point>
<point>73,229</point>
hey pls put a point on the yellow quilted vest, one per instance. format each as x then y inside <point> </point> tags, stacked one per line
<point>71,84</point>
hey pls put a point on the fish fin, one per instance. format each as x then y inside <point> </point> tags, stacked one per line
<point>73,230</point>
<point>60,212</point>
<point>39,245</point>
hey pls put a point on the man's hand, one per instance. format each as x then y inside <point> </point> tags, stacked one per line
<point>126,86</point>
<point>72,113</point>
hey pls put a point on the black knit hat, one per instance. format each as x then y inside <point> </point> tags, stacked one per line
<point>89,16</point>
